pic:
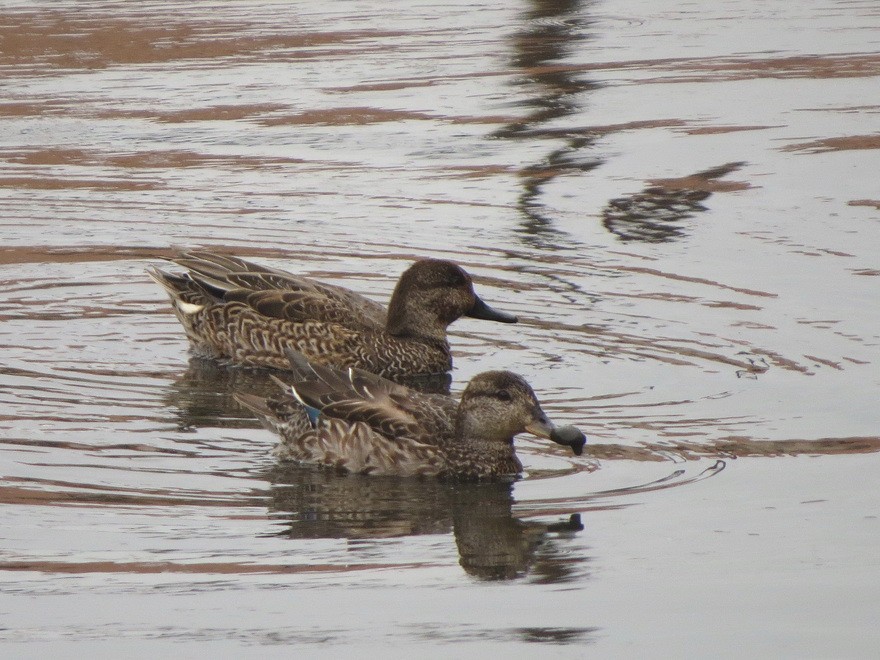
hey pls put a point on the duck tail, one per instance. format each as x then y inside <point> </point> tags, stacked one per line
<point>214,265</point>
<point>255,404</point>
<point>300,367</point>
<point>285,415</point>
<point>270,419</point>
<point>173,284</point>
<point>188,293</point>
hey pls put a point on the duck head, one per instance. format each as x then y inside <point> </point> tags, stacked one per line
<point>430,295</point>
<point>497,405</point>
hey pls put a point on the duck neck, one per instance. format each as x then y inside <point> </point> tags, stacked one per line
<point>482,449</point>
<point>476,459</point>
<point>414,321</point>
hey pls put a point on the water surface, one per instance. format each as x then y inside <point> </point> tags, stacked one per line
<point>680,203</point>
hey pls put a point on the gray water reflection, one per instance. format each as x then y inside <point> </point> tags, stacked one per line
<point>561,636</point>
<point>553,30</point>
<point>203,395</point>
<point>654,214</point>
<point>492,543</point>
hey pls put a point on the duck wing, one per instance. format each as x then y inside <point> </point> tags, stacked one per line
<point>359,392</point>
<point>372,408</point>
<point>236,279</point>
<point>349,446</point>
<point>295,306</point>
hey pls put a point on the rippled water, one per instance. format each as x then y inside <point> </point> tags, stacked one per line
<point>680,202</point>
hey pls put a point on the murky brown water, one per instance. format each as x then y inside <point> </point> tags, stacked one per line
<point>681,202</point>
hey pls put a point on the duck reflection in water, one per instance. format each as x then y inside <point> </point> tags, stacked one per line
<point>493,543</point>
<point>654,215</point>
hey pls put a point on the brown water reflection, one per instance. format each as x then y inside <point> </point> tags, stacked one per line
<point>98,37</point>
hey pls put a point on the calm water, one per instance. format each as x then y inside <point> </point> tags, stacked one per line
<point>679,200</point>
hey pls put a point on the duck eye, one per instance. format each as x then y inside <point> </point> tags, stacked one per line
<point>456,280</point>
<point>503,395</point>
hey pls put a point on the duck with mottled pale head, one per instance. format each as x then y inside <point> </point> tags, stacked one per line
<point>357,422</point>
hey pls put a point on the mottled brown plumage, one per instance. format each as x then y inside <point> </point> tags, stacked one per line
<point>362,423</point>
<point>237,311</point>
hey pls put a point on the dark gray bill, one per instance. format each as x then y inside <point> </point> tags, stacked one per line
<point>481,310</point>
<point>571,436</point>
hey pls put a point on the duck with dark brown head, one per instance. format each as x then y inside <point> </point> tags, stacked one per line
<point>243,313</point>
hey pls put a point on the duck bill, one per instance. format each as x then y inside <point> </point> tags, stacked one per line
<point>568,436</point>
<point>541,427</point>
<point>481,310</point>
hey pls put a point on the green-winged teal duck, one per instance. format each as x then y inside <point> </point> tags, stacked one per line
<point>240,312</point>
<point>361,423</point>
